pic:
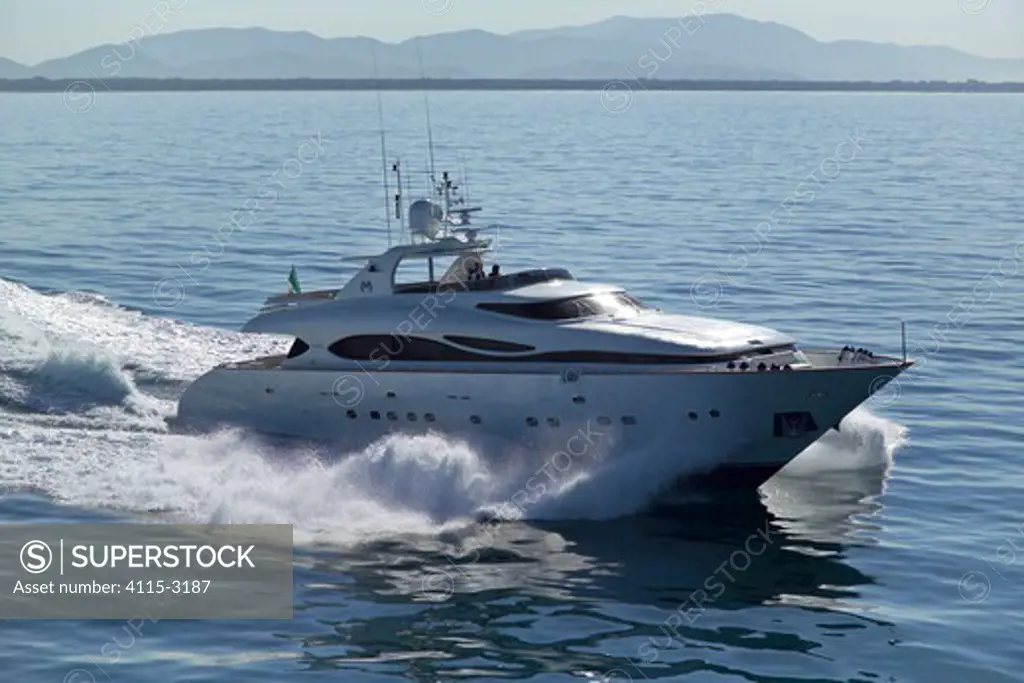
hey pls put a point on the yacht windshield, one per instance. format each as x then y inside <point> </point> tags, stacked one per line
<point>617,304</point>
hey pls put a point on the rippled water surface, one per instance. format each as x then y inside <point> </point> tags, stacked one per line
<point>892,550</point>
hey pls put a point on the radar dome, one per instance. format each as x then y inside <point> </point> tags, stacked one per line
<point>425,218</point>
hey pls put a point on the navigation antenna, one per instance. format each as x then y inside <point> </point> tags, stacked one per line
<point>408,191</point>
<point>383,146</point>
<point>430,129</point>
<point>397,168</point>
<point>465,179</point>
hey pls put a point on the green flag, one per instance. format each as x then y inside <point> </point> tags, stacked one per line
<point>293,282</point>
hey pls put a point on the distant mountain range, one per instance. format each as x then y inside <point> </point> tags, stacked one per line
<point>724,47</point>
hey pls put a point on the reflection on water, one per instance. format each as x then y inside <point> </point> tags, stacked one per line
<point>698,586</point>
<point>837,507</point>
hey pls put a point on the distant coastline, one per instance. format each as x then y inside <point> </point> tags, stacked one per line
<point>42,85</point>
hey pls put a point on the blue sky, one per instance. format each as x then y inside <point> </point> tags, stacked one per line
<point>35,30</point>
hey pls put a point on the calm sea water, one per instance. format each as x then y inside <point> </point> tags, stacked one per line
<point>892,550</point>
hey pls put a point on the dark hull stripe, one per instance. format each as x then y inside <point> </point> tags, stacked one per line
<point>272,363</point>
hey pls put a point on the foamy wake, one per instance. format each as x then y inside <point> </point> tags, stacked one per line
<point>75,424</point>
<point>150,345</point>
<point>865,441</point>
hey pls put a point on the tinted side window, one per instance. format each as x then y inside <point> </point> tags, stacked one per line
<point>379,348</point>
<point>562,309</point>
<point>614,303</point>
<point>488,344</point>
<point>384,347</point>
<point>298,348</point>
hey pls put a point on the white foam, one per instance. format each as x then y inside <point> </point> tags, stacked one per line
<point>400,485</point>
<point>865,441</point>
<point>616,487</point>
<point>162,346</point>
<point>43,369</point>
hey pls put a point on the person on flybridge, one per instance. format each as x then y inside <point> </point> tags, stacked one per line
<point>474,270</point>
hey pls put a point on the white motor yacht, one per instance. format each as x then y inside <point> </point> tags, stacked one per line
<point>537,357</point>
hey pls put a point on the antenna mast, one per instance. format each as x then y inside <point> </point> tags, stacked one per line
<point>383,146</point>
<point>408,186</point>
<point>426,106</point>
<point>465,179</point>
<point>397,168</point>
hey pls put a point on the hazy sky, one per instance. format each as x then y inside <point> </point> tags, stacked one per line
<point>35,30</point>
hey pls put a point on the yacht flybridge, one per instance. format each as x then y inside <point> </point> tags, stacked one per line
<point>536,357</point>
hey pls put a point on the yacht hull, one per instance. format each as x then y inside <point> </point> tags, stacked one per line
<point>731,427</point>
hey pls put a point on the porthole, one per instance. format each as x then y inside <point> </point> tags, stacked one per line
<point>429,417</point>
<point>578,399</point>
<point>391,394</point>
<point>628,420</point>
<point>475,419</point>
<point>392,415</point>
<point>351,414</point>
<point>553,422</point>
<point>374,415</point>
<point>693,416</point>
<point>605,421</point>
<point>532,421</point>
<point>411,417</point>
<point>269,390</point>
<point>715,413</point>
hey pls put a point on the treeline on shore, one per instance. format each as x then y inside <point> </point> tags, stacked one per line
<point>636,85</point>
